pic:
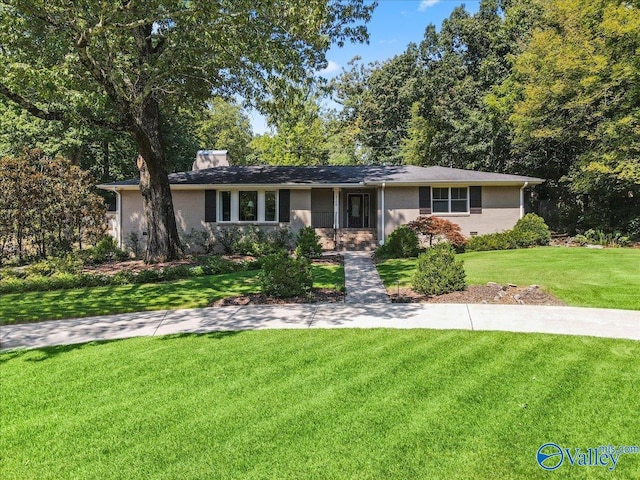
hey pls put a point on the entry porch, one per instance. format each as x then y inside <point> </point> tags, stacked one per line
<point>345,218</point>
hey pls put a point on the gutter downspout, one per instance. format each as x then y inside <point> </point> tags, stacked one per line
<point>382,235</point>
<point>119,216</point>
<point>522,198</point>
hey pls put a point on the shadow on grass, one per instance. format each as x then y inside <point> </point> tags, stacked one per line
<point>46,353</point>
<point>210,335</point>
<point>396,270</point>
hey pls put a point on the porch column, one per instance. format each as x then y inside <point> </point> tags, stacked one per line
<point>336,208</point>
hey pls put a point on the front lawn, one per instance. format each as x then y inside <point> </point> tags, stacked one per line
<point>370,404</point>
<point>187,293</point>
<point>607,278</point>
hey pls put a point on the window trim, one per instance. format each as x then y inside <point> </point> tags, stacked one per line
<point>449,213</point>
<point>234,217</point>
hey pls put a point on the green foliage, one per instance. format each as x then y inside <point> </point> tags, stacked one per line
<point>68,264</point>
<point>529,231</point>
<point>492,241</point>
<point>284,276</point>
<point>133,243</point>
<point>47,206</point>
<point>598,237</point>
<point>575,110</point>
<point>105,251</point>
<point>225,125</point>
<point>401,243</point>
<point>534,229</point>
<point>308,243</point>
<point>438,271</point>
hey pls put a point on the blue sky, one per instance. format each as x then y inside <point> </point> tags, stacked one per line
<point>395,23</point>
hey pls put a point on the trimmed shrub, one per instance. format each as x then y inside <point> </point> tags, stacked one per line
<point>492,241</point>
<point>197,241</point>
<point>402,243</point>
<point>438,271</point>
<point>105,251</point>
<point>282,238</point>
<point>215,265</point>
<point>308,243</point>
<point>227,237</point>
<point>133,243</point>
<point>284,276</point>
<point>175,272</point>
<point>531,230</point>
<point>148,276</point>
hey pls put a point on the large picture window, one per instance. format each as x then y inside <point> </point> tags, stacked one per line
<point>450,200</point>
<point>248,202</point>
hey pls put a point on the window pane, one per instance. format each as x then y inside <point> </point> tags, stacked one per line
<point>440,206</point>
<point>225,206</point>
<point>248,206</point>
<point>440,193</point>
<point>269,206</point>
<point>459,193</point>
<point>459,205</point>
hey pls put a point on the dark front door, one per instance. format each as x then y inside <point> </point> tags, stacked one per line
<point>358,210</point>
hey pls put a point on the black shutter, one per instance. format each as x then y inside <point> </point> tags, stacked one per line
<point>210,205</point>
<point>424,201</point>
<point>475,199</point>
<point>284,205</point>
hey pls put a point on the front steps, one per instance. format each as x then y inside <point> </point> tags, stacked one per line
<point>361,239</point>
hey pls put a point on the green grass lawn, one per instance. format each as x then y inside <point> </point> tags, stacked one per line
<point>366,404</point>
<point>186,293</point>
<point>607,278</point>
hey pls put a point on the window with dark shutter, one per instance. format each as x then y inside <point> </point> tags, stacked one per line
<point>475,199</point>
<point>209,205</point>
<point>424,201</point>
<point>284,206</point>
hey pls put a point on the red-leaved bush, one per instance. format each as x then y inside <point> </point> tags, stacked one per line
<point>434,227</point>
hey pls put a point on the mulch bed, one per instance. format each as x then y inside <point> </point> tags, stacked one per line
<point>318,295</point>
<point>492,293</point>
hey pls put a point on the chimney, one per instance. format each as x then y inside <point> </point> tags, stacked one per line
<point>210,159</point>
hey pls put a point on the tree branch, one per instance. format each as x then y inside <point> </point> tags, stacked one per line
<point>30,107</point>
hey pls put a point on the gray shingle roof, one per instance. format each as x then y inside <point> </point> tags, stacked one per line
<point>328,175</point>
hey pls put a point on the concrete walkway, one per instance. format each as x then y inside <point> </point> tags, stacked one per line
<point>362,283</point>
<point>515,318</point>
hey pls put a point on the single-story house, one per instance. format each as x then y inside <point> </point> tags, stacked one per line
<point>350,206</point>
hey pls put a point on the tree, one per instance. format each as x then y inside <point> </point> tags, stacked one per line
<point>576,116</point>
<point>47,205</point>
<point>127,60</point>
<point>225,126</point>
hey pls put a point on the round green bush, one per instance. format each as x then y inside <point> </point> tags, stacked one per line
<point>438,271</point>
<point>401,243</point>
<point>308,243</point>
<point>531,230</point>
<point>284,276</point>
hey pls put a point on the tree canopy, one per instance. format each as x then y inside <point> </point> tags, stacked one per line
<point>118,64</point>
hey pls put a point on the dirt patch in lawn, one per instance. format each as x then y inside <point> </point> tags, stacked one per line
<point>317,295</point>
<point>492,293</point>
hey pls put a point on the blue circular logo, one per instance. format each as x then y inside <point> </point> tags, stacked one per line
<point>550,456</point>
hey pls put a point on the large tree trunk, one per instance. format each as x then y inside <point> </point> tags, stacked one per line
<point>163,243</point>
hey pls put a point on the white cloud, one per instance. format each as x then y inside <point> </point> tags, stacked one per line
<point>424,4</point>
<point>330,68</point>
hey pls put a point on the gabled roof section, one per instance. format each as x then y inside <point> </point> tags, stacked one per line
<point>334,175</point>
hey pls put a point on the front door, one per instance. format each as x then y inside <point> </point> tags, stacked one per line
<point>358,210</point>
